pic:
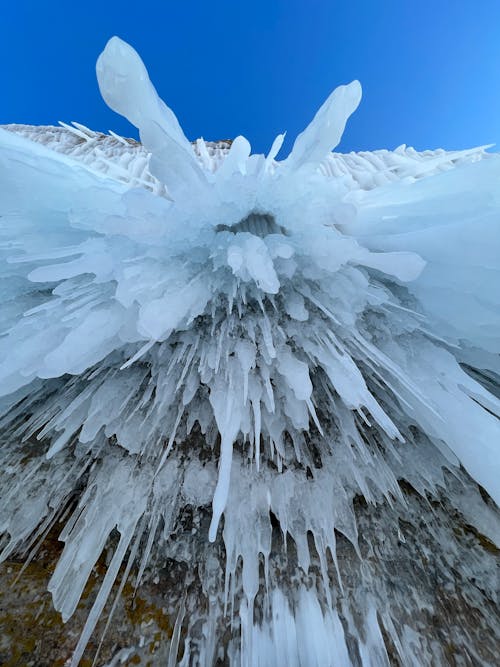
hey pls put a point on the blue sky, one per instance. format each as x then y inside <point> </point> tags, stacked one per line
<point>430,70</point>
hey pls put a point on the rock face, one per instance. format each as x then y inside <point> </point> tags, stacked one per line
<point>431,577</point>
<point>248,406</point>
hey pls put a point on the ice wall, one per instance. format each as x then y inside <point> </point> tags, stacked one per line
<point>273,340</point>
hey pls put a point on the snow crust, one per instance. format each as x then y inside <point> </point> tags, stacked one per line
<point>329,328</point>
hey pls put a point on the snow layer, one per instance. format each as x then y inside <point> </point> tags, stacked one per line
<point>330,324</point>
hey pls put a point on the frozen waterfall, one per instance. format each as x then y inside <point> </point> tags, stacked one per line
<point>277,380</point>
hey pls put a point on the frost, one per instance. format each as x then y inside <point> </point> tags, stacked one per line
<point>198,326</point>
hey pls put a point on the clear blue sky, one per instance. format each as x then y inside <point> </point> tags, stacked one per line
<point>430,69</point>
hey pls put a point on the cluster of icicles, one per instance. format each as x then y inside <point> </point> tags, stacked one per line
<point>262,343</point>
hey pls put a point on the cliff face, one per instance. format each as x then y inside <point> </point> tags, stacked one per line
<point>431,579</point>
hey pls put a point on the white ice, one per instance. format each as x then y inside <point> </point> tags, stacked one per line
<point>267,301</point>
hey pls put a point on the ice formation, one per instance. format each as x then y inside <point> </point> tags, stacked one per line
<point>302,352</point>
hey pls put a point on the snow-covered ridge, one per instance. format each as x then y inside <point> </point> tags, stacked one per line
<point>128,161</point>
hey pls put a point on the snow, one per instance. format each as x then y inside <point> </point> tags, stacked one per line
<point>322,306</point>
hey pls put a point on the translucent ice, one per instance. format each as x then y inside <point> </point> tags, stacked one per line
<point>267,342</point>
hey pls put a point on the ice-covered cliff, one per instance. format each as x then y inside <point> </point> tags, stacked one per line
<point>277,378</point>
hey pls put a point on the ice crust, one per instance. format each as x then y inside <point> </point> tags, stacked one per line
<point>328,335</point>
